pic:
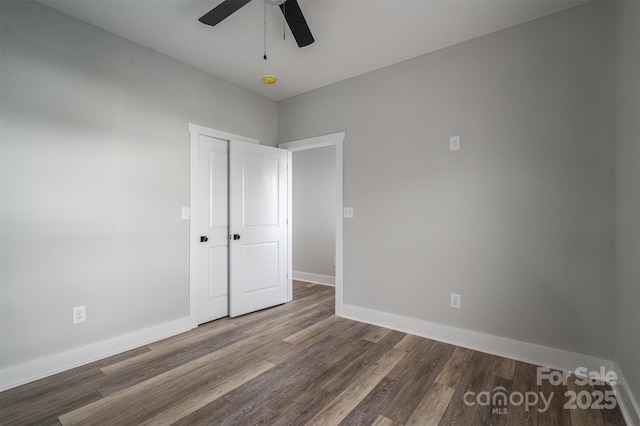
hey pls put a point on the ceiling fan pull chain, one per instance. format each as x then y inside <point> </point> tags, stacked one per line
<point>284,20</point>
<point>265,31</point>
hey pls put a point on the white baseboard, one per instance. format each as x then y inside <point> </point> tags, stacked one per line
<point>508,348</point>
<point>314,278</point>
<point>628,404</point>
<point>29,371</point>
<point>514,349</point>
<point>535,354</point>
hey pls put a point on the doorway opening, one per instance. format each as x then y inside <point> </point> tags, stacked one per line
<point>336,140</point>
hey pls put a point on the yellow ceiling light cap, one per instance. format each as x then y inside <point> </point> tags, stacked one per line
<point>270,79</point>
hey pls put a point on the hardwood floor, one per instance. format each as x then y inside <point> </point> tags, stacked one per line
<point>295,364</point>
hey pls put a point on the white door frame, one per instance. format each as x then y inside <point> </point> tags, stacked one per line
<point>194,131</point>
<point>337,140</point>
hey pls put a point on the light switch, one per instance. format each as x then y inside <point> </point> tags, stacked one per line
<point>185,213</point>
<point>348,212</point>
<point>454,143</point>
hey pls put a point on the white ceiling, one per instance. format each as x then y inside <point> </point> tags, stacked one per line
<point>352,36</point>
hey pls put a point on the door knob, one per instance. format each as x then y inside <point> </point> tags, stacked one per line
<point>236,236</point>
<point>204,239</point>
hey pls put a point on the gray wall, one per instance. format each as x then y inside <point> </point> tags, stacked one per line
<point>627,328</point>
<point>94,164</point>
<point>521,220</point>
<point>314,210</point>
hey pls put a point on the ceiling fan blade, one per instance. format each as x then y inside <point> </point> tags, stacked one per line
<point>222,11</point>
<point>297,23</point>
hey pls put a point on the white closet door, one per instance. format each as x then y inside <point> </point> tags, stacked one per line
<point>209,216</point>
<point>258,227</point>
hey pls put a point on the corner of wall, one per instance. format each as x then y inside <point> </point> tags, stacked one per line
<point>628,404</point>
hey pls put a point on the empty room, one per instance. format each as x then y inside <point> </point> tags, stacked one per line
<point>323,212</point>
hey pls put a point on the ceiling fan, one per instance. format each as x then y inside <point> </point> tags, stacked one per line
<point>290,9</point>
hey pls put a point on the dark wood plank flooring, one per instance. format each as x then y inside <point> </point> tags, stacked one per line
<point>294,364</point>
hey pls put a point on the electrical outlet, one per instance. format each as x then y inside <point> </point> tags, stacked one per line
<point>454,143</point>
<point>79,314</point>
<point>456,300</point>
